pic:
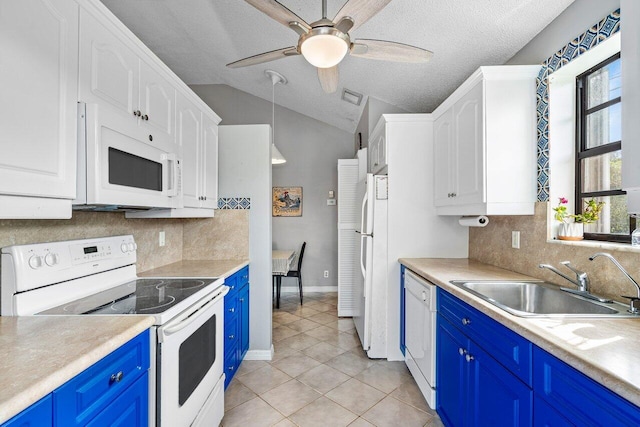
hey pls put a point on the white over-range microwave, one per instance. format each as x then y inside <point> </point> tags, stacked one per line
<point>120,167</point>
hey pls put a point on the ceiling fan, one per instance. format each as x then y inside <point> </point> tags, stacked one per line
<point>325,43</point>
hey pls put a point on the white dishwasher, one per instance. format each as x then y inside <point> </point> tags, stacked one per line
<point>420,333</point>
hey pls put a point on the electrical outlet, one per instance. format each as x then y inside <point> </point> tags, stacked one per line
<point>161,239</point>
<point>515,239</point>
<point>326,273</point>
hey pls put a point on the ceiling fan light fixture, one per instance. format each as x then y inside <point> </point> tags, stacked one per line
<point>324,47</point>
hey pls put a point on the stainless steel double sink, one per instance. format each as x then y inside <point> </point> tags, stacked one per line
<point>540,299</point>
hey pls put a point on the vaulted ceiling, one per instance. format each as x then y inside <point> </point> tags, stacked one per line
<point>197,38</point>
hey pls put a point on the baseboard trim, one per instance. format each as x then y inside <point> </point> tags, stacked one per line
<point>292,289</point>
<point>259,354</point>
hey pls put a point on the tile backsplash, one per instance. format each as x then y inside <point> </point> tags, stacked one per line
<point>226,236</point>
<point>492,245</point>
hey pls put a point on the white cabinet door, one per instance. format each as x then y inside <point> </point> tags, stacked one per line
<point>109,69</point>
<point>443,158</point>
<point>157,107</point>
<point>38,99</point>
<point>469,148</point>
<point>189,132</point>
<point>209,162</point>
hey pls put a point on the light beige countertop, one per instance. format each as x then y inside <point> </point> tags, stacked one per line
<point>607,350</point>
<point>197,268</point>
<point>40,353</point>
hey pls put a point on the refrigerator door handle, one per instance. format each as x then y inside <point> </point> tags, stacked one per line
<point>363,235</point>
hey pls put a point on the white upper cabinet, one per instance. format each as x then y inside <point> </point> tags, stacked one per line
<point>113,73</point>
<point>377,151</point>
<point>209,162</point>
<point>485,144</point>
<point>190,139</point>
<point>630,69</point>
<point>38,75</point>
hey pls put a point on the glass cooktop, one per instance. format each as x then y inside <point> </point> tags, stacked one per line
<point>140,296</point>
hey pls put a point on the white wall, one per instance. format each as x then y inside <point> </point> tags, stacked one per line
<point>244,154</point>
<point>312,149</point>
<point>578,17</point>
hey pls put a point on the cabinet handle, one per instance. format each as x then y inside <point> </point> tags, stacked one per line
<point>232,310</point>
<point>469,358</point>
<point>454,195</point>
<point>462,351</point>
<point>231,337</point>
<point>146,117</point>
<point>137,113</point>
<point>230,368</point>
<point>233,287</point>
<point>150,137</point>
<point>116,378</point>
<point>241,299</point>
<point>466,321</point>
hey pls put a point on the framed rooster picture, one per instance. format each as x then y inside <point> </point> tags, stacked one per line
<point>287,201</point>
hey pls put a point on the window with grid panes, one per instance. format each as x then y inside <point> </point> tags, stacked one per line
<point>599,155</point>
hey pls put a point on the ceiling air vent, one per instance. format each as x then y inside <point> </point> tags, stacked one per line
<point>351,97</point>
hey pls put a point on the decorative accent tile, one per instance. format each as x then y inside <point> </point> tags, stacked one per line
<point>234,203</point>
<point>581,44</point>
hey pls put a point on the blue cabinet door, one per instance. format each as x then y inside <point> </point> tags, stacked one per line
<point>578,397</point>
<point>497,398</point>
<point>451,374</point>
<point>243,319</point>
<point>130,409</point>
<point>40,414</point>
<point>545,415</point>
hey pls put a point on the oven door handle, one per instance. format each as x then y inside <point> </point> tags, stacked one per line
<point>191,317</point>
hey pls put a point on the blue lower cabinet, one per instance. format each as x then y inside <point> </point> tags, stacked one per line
<point>577,397</point>
<point>86,395</point>
<point>546,415</point>
<point>37,415</point>
<point>236,322</point>
<point>130,409</point>
<point>477,384</point>
<point>473,388</point>
<point>112,392</point>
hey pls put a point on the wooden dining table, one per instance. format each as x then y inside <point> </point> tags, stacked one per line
<point>281,264</point>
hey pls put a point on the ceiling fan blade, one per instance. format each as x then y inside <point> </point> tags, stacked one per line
<point>329,78</point>
<point>280,13</point>
<point>264,57</point>
<point>360,11</point>
<point>389,51</point>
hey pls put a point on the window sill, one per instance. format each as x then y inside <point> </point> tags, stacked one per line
<point>620,247</point>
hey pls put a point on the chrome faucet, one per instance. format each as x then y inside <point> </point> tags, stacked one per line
<point>634,303</point>
<point>581,281</point>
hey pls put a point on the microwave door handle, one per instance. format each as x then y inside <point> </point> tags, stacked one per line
<point>175,175</point>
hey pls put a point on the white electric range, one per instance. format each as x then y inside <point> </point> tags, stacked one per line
<point>98,277</point>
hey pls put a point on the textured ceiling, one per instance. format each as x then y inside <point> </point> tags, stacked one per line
<point>197,38</point>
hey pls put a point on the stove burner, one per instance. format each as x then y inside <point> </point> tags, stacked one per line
<point>147,283</point>
<point>184,284</point>
<point>136,304</point>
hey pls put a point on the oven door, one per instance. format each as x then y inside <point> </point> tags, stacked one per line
<point>123,165</point>
<point>190,361</point>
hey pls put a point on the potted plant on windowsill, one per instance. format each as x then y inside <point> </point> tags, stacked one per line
<point>575,230</point>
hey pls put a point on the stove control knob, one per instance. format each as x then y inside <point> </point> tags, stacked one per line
<point>35,262</point>
<point>51,259</point>
<point>124,248</point>
<point>131,247</point>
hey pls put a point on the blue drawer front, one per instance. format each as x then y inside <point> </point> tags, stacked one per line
<point>87,394</point>
<point>130,409</point>
<point>510,349</point>
<point>39,414</point>
<point>578,397</point>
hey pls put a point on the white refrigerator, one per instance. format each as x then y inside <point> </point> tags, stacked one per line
<point>398,220</point>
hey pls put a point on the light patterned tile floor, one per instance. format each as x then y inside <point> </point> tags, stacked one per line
<point>320,376</point>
